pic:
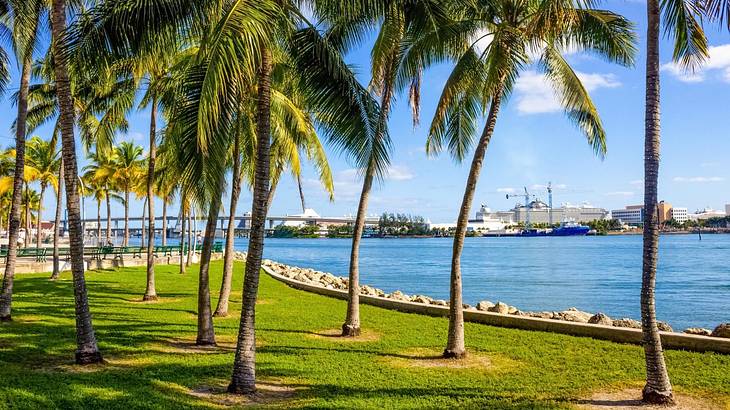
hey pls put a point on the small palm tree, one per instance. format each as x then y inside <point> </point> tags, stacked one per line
<point>486,78</point>
<point>43,157</point>
<point>128,162</point>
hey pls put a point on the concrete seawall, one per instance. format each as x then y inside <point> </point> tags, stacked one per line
<point>670,340</point>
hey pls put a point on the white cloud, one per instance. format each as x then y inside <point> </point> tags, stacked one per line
<point>718,63</point>
<point>698,179</point>
<point>535,94</point>
<point>399,173</point>
<point>506,190</point>
<point>619,193</point>
<point>636,182</point>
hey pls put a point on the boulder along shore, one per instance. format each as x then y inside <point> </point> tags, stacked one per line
<point>330,281</point>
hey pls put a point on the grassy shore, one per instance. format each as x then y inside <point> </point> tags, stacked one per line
<point>152,363</point>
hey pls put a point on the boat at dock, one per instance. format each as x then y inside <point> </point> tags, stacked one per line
<point>566,228</point>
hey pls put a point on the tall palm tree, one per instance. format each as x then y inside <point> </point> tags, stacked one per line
<point>399,21</point>
<point>486,78</point>
<point>87,351</point>
<point>26,24</point>
<point>43,157</point>
<point>128,168</point>
<point>690,47</point>
<point>156,70</point>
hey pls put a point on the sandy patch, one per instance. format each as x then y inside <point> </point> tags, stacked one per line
<point>426,358</point>
<point>151,302</point>
<point>267,392</point>
<point>630,399</point>
<point>335,335</point>
<point>224,344</point>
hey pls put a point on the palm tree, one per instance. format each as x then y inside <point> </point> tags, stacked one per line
<point>45,160</point>
<point>156,75</point>
<point>240,46</point>
<point>31,202</point>
<point>690,47</point>
<point>101,166</point>
<point>399,21</point>
<point>293,136</point>
<point>128,163</point>
<point>486,78</point>
<point>87,351</point>
<point>25,16</point>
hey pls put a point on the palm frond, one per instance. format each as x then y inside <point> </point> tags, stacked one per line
<point>681,22</point>
<point>574,98</point>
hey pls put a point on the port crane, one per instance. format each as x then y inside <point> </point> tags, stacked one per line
<point>550,202</point>
<point>527,197</point>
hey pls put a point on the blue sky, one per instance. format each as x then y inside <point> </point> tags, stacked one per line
<point>533,143</point>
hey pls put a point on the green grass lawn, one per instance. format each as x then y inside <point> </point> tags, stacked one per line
<point>151,364</point>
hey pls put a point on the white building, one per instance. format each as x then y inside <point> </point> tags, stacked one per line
<point>487,221</point>
<point>727,209</point>
<point>632,215</point>
<point>679,214</point>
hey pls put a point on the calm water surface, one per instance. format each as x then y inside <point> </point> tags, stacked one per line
<point>591,273</point>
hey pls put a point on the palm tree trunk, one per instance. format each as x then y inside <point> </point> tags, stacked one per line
<point>98,222</point>
<point>243,380</point>
<point>125,242</point>
<point>270,196</point>
<point>144,219</point>
<point>150,293</point>
<point>87,350</point>
<point>164,222</point>
<point>351,327</point>
<point>6,297</point>
<point>182,238</point>
<point>455,345</point>
<point>56,226</point>
<point>108,218</point>
<point>206,333</point>
<point>26,239</point>
<point>191,243</point>
<point>225,292</point>
<point>301,193</point>
<point>658,389</point>
<point>40,209</point>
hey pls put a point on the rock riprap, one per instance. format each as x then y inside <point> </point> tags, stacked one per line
<point>722,330</point>
<point>330,281</point>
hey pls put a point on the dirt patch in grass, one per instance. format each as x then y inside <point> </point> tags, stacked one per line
<point>264,301</point>
<point>630,399</point>
<point>335,335</point>
<point>224,344</point>
<point>267,393</point>
<point>152,302</point>
<point>426,358</point>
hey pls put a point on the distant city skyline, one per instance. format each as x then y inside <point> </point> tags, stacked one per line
<point>533,144</point>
